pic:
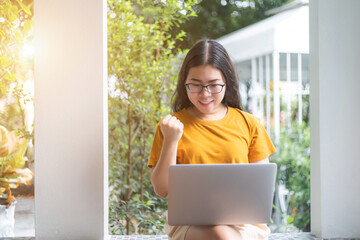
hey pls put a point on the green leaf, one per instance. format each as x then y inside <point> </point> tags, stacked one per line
<point>14,176</point>
<point>28,26</point>
<point>13,17</point>
<point>289,220</point>
<point>3,180</point>
<point>18,161</point>
<point>4,184</point>
<point>7,76</point>
<point>25,8</point>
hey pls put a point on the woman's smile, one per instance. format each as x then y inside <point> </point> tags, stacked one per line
<point>206,102</point>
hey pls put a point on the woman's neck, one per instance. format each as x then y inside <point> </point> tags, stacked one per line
<point>220,114</point>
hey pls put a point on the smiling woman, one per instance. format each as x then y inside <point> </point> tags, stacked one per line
<point>210,128</point>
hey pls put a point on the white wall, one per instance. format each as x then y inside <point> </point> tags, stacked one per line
<point>335,118</point>
<point>70,119</point>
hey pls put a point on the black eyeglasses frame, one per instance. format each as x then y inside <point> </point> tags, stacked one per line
<point>206,87</point>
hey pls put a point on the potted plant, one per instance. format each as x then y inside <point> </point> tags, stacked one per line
<point>12,174</point>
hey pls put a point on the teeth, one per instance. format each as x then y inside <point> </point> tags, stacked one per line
<point>205,102</point>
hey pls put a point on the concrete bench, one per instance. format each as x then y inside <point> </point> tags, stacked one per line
<point>274,236</point>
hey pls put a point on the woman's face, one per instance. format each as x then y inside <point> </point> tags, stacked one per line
<point>206,103</point>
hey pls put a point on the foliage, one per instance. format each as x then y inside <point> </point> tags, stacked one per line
<point>141,64</point>
<point>15,31</point>
<point>12,149</point>
<point>293,160</point>
<point>216,18</point>
<point>16,64</point>
<point>16,67</point>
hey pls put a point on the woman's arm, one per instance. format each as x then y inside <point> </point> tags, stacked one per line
<point>172,130</point>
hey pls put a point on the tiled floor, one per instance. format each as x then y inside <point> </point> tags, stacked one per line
<point>24,217</point>
<point>19,238</point>
<point>283,236</point>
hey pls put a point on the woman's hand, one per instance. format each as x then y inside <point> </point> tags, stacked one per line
<point>172,128</point>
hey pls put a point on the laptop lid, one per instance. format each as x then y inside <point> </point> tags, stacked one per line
<point>220,194</point>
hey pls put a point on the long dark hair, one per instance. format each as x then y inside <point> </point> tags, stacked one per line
<point>208,52</point>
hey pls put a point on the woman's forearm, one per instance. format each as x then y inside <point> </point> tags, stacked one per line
<point>159,173</point>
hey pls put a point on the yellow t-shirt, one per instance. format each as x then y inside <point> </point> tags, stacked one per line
<point>239,137</point>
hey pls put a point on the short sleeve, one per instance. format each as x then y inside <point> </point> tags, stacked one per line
<point>261,146</point>
<point>156,147</point>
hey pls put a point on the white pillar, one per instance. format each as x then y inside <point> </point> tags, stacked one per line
<point>335,118</point>
<point>288,92</point>
<point>300,89</point>
<point>268,93</point>
<point>70,120</point>
<point>276,91</point>
<point>261,92</point>
<point>254,86</point>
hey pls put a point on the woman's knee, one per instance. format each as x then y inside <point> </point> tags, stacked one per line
<point>224,232</point>
<point>220,232</point>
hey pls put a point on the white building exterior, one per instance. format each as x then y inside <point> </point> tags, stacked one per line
<point>273,55</point>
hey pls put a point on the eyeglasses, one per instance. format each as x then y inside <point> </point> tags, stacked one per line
<point>197,88</point>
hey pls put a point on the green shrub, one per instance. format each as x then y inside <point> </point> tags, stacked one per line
<point>293,159</point>
<point>141,60</point>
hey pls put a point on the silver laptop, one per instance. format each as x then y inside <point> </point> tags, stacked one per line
<point>220,194</point>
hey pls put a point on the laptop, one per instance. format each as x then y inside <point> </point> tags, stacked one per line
<point>220,194</point>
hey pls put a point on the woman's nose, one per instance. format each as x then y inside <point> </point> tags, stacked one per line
<point>205,92</point>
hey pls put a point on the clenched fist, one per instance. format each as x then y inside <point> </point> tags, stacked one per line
<point>171,128</point>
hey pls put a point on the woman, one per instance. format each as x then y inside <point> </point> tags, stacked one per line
<point>208,126</point>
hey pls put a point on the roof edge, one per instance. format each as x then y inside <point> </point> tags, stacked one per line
<point>289,6</point>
